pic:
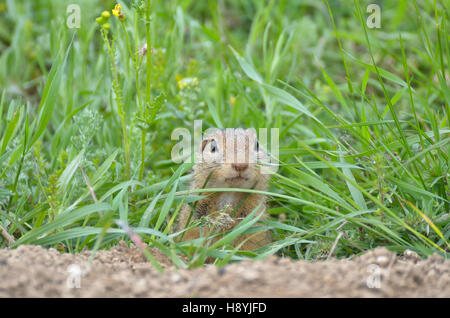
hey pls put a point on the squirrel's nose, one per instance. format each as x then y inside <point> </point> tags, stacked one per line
<point>239,166</point>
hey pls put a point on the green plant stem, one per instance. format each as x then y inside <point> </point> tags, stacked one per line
<point>136,64</point>
<point>148,83</point>
<point>149,54</point>
<point>128,42</point>
<point>119,100</point>
<point>138,93</point>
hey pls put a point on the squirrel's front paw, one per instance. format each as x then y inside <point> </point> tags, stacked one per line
<point>220,219</point>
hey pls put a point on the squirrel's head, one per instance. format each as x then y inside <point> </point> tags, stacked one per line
<point>231,158</point>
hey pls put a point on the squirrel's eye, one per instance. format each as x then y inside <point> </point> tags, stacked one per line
<point>257,146</point>
<point>213,146</point>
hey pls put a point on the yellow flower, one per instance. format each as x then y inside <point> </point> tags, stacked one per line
<point>181,85</point>
<point>187,82</point>
<point>117,11</point>
<point>232,100</point>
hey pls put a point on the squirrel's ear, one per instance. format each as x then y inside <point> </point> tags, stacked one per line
<point>204,143</point>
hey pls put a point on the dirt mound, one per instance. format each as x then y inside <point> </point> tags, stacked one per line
<point>32,271</point>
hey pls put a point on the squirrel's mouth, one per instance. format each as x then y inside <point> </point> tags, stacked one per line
<point>236,179</point>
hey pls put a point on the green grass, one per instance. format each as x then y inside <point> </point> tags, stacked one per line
<point>86,122</point>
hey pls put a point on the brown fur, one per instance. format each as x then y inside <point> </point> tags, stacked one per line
<point>224,173</point>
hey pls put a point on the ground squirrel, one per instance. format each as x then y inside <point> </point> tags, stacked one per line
<point>229,158</point>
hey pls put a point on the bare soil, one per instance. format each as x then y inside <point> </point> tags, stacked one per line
<point>33,271</point>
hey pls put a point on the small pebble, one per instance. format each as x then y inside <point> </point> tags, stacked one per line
<point>383,260</point>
